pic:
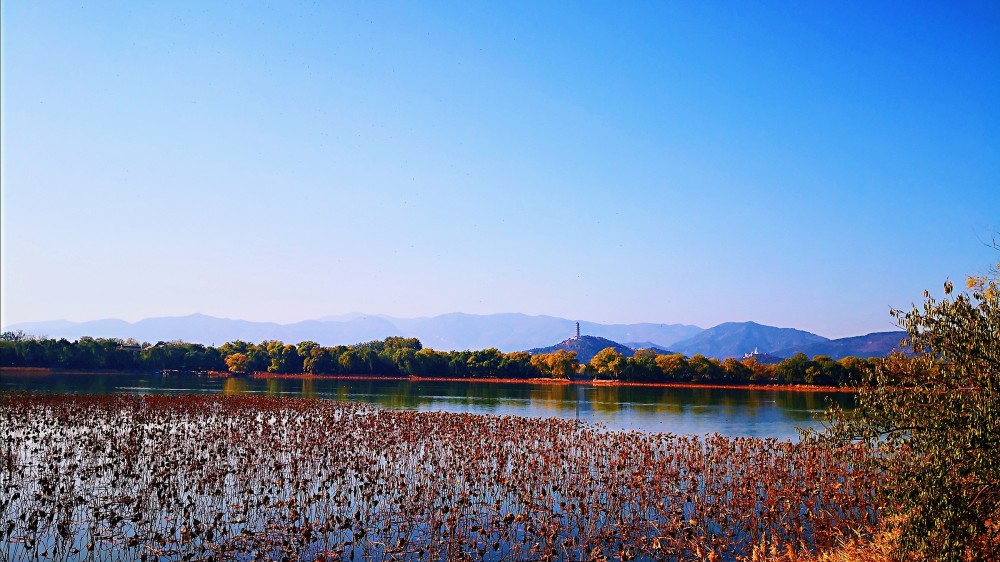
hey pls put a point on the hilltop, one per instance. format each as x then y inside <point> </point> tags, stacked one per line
<point>586,347</point>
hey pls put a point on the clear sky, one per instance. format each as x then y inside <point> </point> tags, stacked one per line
<point>800,164</point>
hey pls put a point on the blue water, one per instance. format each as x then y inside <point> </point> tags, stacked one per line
<point>757,413</point>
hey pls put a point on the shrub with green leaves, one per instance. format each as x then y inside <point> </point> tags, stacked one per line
<point>934,420</point>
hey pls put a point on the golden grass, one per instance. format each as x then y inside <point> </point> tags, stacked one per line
<point>882,546</point>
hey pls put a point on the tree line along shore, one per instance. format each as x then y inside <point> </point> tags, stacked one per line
<point>406,357</point>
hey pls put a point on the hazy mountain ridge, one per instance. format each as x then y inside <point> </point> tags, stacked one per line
<point>506,331</point>
<point>637,345</point>
<point>875,344</point>
<point>734,339</point>
<point>748,336</point>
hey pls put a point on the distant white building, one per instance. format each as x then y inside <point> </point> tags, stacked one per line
<point>762,358</point>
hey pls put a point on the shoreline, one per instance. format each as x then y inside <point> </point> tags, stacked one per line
<point>42,371</point>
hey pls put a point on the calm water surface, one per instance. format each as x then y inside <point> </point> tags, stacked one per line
<point>758,413</point>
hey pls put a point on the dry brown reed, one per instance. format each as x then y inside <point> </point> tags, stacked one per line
<point>199,478</point>
<point>879,545</point>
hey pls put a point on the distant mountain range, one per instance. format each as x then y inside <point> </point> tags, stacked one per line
<point>720,341</point>
<point>637,345</point>
<point>586,347</point>
<point>876,344</point>
<point>507,332</point>
<point>733,339</point>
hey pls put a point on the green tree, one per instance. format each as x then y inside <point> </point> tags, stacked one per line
<point>560,365</point>
<point>485,362</point>
<point>304,349</point>
<point>517,365</point>
<point>352,363</point>
<point>933,421</point>
<point>854,368</point>
<point>320,361</point>
<point>14,336</point>
<point>258,357</point>
<point>429,363</point>
<point>607,364</point>
<point>398,342</point>
<point>705,369</point>
<point>735,372</point>
<point>675,367</point>
<point>793,370</point>
<point>564,364</point>
<point>9,354</point>
<point>642,366</point>
<point>759,372</point>
<point>284,358</point>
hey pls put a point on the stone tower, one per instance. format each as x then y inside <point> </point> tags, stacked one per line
<point>577,330</point>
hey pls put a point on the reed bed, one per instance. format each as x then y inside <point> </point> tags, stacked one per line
<point>207,477</point>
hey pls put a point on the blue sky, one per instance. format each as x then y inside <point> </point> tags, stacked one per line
<point>798,164</point>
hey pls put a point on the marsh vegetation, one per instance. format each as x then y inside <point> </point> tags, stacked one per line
<point>156,477</point>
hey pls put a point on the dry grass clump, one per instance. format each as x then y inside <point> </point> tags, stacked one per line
<point>199,478</point>
<point>879,546</point>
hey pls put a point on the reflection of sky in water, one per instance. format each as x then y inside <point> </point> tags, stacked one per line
<point>677,410</point>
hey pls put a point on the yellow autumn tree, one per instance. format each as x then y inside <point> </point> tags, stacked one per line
<point>560,365</point>
<point>607,364</point>
<point>237,362</point>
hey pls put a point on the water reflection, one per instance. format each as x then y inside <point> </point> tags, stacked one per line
<point>308,388</point>
<point>559,397</point>
<point>234,386</point>
<point>274,386</point>
<point>763,413</point>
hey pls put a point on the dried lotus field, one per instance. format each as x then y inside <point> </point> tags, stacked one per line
<point>244,478</point>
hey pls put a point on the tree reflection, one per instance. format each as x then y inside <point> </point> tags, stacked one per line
<point>234,385</point>
<point>398,395</point>
<point>274,387</point>
<point>308,388</point>
<point>553,396</point>
<point>605,399</point>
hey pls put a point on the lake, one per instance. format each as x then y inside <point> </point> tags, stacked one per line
<point>730,412</point>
